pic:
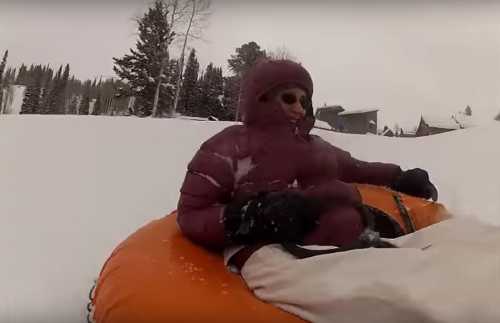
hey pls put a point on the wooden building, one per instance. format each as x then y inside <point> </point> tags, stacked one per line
<point>357,121</point>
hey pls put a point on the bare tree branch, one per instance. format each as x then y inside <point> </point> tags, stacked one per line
<point>282,52</point>
<point>200,11</point>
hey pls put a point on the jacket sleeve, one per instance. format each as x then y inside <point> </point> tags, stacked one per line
<point>206,188</point>
<point>352,170</point>
<point>318,178</point>
<point>333,172</point>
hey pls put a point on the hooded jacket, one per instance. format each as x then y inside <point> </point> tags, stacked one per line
<point>269,153</point>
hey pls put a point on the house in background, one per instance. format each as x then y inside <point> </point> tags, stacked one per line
<point>322,125</point>
<point>407,133</point>
<point>359,121</point>
<point>387,132</point>
<point>432,125</point>
<point>330,115</point>
<point>356,121</point>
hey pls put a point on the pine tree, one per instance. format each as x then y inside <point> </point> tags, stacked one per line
<point>47,85</point>
<point>2,78</point>
<point>211,86</point>
<point>168,88</point>
<point>50,97</point>
<point>21,76</point>
<point>3,63</point>
<point>62,95</point>
<point>245,57</point>
<point>85,103</point>
<point>73,105</point>
<point>468,111</point>
<point>31,101</point>
<point>203,108</point>
<point>217,94</point>
<point>56,98</point>
<point>10,76</point>
<point>240,62</point>
<point>97,110</point>
<point>188,94</point>
<point>144,67</point>
<point>230,98</point>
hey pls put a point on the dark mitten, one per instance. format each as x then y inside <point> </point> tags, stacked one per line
<point>274,217</point>
<point>416,182</point>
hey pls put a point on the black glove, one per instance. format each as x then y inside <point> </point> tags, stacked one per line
<point>416,182</point>
<point>273,217</point>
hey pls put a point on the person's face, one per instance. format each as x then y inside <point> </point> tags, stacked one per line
<point>292,101</point>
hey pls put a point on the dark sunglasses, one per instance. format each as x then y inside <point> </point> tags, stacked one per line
<point>291,98</point>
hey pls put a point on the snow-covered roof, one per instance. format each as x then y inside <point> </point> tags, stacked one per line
<point>359,111</point>
<point>322,124</point>
<point>336,108</point>
<point>387,131</point>
<point>443,122</point>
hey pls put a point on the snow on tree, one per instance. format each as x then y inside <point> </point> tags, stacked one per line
<point>468,111</point>
<point>9,76</point>
<point>148,61</point>
<point>281,52</point>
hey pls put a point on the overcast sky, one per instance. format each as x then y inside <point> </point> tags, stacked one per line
<point>403,57</point>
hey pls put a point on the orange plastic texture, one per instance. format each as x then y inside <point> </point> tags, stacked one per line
<point>158,276</point>
<point>422,212</point>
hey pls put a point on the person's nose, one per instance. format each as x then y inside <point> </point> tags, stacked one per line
<point>298,109</point>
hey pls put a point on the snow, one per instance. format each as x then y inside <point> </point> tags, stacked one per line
<point>92,105</point>
<point>444,122</point>
<point>386,131</point>
<point>322,124</point>
<point>73,187</point>
<point>190,118</point>
<point>13,99</point>
<point>358,111</point>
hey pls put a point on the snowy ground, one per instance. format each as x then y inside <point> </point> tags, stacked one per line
<point>74,187</point>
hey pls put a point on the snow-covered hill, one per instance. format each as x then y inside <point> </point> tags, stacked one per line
<point>73,187</point>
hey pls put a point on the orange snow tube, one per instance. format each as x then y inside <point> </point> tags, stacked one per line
<point>157,276</point>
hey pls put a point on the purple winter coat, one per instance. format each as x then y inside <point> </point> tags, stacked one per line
<point>268,153</point>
